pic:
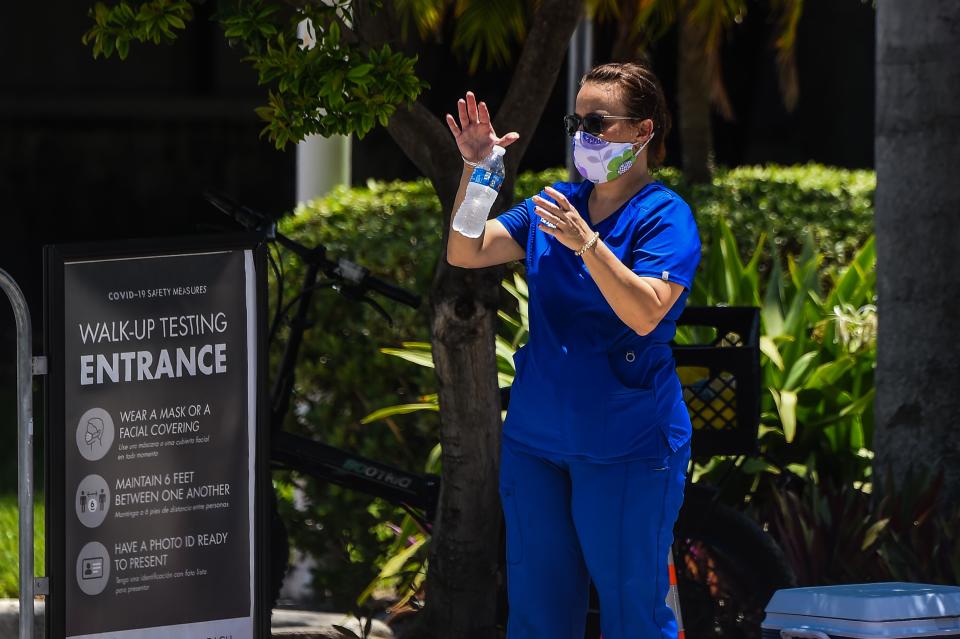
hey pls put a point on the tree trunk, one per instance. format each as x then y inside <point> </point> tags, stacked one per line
<point>693,99</point>
<point>917,217</point>
<point>463,555</point>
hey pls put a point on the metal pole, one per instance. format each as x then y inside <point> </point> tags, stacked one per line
<point>322,163</point>
<point>579,61</point>
<point>25,448</point>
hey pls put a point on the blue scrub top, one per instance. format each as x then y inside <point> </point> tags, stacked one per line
<point>587,386</point>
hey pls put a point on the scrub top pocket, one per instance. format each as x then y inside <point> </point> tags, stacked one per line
<point>632,424</point>
<point>631,367</point>
<point>633,415</point>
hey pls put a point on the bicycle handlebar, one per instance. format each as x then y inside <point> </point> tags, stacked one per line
<point>244,216</point>
<point>401,295</point>
<point>343,269</point>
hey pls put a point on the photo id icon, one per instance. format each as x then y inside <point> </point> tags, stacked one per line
<point>93,568</point>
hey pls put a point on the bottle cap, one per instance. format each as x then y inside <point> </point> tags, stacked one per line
<point>498,150</point>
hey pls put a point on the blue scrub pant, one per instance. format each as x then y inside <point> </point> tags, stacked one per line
<point>568,522</point>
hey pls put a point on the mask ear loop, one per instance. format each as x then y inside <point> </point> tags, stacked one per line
<point>644,143</point>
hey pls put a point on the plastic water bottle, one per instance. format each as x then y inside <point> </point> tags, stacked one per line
<point>481,192</point>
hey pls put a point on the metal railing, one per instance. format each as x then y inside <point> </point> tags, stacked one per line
<point>27,367</point>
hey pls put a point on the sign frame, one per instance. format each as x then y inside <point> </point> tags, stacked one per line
<point>55,258</point>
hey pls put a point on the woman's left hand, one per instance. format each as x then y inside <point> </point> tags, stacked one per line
<point>571,229</point>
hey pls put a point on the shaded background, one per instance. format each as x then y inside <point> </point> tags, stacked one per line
<point>101,150</point>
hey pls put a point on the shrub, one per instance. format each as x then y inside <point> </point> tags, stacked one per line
<point>9,543</point>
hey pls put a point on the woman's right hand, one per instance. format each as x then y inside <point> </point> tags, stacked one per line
<point>475,136</point>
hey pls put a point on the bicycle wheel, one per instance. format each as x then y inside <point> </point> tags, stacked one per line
<point>727,569</point>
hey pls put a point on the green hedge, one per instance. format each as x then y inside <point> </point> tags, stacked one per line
<point>9,543</point>
<point>836,203</point>
<point>393,228</point>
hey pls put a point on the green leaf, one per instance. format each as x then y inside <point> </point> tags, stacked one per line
<point>859,405</point>
<point>786,402</point>
<point>100,13</point>
<point>264,112</point>
<point>509,320</point>
<point>346,632</point>
<point>398,409</point>
<point>798,469</point>
<point>359,71</point>
<point>417,357</point>
<point>395,563</point>
<point>855,274</point>
<point>772,313</point>
<point>733,266</point>
<point>434,460</point>
<point>799,369</point>
<point>504,348</point>
<point>829,373</point>
<point>873,533</point>
<point>753,466</point>
<point>769,348</point>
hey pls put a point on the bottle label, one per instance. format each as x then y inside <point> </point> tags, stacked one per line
<point>486,178</point>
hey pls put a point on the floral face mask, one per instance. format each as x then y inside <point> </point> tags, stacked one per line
<point>601,161</point>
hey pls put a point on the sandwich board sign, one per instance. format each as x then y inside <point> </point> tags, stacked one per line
<point>157,458</point>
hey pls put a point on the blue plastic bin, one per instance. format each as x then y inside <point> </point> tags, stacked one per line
<point>863,611</point>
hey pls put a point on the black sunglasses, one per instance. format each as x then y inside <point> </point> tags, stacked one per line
<point>592,122</point>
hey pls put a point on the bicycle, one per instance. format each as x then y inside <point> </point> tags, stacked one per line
<point>727,567</point>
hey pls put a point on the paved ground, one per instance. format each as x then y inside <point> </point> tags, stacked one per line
<point>286,623</point>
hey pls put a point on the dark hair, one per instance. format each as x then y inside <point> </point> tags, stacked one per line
<point>643,98</point>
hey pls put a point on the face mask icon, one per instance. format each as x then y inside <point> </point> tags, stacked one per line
<point>94,432</point>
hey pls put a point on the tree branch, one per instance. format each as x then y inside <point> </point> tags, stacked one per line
<point>424,139</point>
<point>537,70</point>
<point>418,132</point>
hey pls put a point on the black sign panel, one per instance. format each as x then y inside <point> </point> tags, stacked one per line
<point>155,444</point>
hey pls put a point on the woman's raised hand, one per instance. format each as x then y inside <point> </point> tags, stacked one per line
<point>475,136</point>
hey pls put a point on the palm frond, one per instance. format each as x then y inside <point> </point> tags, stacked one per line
<point>785,43</point>
<point>603,10</point>
<point>426,15</point>
<point>653,19</point>
<point>717,17</point>
<point>486,29</point>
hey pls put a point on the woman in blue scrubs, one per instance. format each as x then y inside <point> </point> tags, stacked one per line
<point>596,442</point>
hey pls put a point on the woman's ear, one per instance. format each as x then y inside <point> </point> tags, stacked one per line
<point>644,129</point>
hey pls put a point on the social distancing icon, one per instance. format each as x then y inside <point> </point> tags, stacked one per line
<point>92,500</point>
